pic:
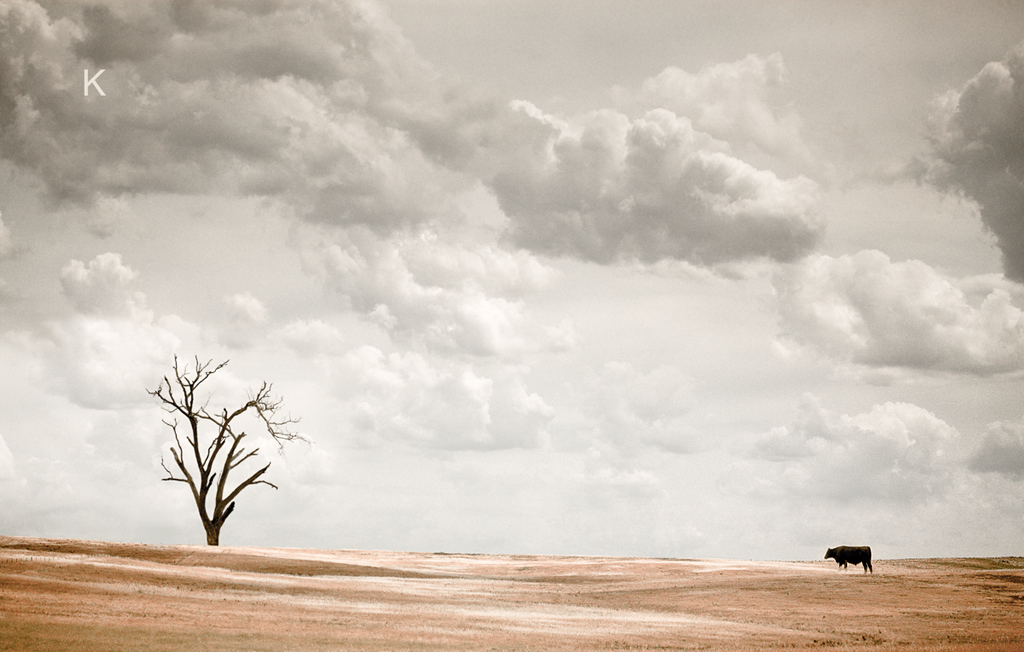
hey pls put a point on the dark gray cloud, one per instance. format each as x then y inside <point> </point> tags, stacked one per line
<point>978,149</point>
<point>273,99</point>
<point>109,38</point>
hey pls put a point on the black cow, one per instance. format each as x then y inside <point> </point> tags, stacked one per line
<point>851,555</point>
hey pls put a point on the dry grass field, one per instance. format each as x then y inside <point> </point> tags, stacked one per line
<point>86,596</point>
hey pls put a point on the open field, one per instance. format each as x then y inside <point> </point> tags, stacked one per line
<point>85,595</point>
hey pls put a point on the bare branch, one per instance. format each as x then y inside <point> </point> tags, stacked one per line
<point>253,479</point>
<point>170,476</point>
<point>243,458</point>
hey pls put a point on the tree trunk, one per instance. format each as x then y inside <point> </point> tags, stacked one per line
<point>213,535</point>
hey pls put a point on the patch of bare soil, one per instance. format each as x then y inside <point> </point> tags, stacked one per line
<point>87,595</point>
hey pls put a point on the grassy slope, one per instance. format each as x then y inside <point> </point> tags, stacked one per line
<point>83,595</point>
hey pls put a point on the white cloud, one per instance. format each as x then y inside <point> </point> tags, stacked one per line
<point>110,363</point>
<point>895,452</point>
<point>605,188</point>
<point>867,310</point>
<point>422,402</point>
<point>246,308</point>
<point>103,287</point>
<point>741,102</point>
<point>444,294</point>
<point>978,149</point>
<point>112,348</point>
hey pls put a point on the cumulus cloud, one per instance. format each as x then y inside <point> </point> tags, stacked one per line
<point>410,398</point>
<point>110,363</point>
<point>896,451</point>
<point>604,187</point>
<point>101,287</point>
<point>246,308</point>
<point>112,348</point>
<point>978,149</point>
<point>444,294</point>
<point>1001,450</point>
<point>743,103</point>
<point>868,310</point>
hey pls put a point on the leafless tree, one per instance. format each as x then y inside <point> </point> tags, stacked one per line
<point>205,465</point>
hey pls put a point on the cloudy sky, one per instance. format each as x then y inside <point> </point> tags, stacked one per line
<point>733,279</point>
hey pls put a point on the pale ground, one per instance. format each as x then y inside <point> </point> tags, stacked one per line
<point>86,595</point>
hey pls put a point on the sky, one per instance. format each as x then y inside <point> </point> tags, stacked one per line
<point>672,279</point>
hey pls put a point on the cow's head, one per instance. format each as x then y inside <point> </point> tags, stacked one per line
<point>830,554</point>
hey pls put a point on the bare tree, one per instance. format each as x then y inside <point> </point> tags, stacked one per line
<point>205,466</point>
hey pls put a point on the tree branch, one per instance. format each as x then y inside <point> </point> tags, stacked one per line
<point>253,479</point>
